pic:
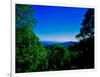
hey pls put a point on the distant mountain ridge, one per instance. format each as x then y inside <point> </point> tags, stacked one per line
<point>67,43</point>
<point>48,43</point>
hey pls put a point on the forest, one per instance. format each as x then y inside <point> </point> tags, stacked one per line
<point>32,56</point>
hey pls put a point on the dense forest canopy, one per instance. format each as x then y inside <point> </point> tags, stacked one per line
<point>32,56</point>
<point>86,37</point>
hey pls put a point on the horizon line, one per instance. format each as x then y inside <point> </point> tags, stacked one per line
<point>60,41</point>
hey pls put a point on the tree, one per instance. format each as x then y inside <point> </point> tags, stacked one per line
<point>24,16</point>
<point>86,40</point>
<point>87,30</point>
<point>30,54</point>
<point>58,58</point>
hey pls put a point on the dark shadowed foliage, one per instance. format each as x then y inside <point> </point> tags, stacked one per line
<point>86,38</point>
<point>34,56</point>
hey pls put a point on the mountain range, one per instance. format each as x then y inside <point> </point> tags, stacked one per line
<point>49,43</point>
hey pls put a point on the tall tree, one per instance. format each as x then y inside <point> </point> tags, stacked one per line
<point>24,16</point>
<point>86,40</point>
<point>87,30</point>
<point>30,54</point>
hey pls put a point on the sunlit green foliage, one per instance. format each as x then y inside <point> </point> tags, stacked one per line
<point>30,54</point>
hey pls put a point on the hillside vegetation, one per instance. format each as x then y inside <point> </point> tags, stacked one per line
<point>32,56</point>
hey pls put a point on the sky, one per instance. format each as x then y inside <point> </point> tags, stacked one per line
<point>58,24</point>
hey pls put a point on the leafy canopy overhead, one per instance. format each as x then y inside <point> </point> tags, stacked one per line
<point>24,16</point>
<point>30,54</point>
<point>87,30</point>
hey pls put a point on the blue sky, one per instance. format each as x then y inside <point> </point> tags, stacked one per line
<point>57,23</point>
